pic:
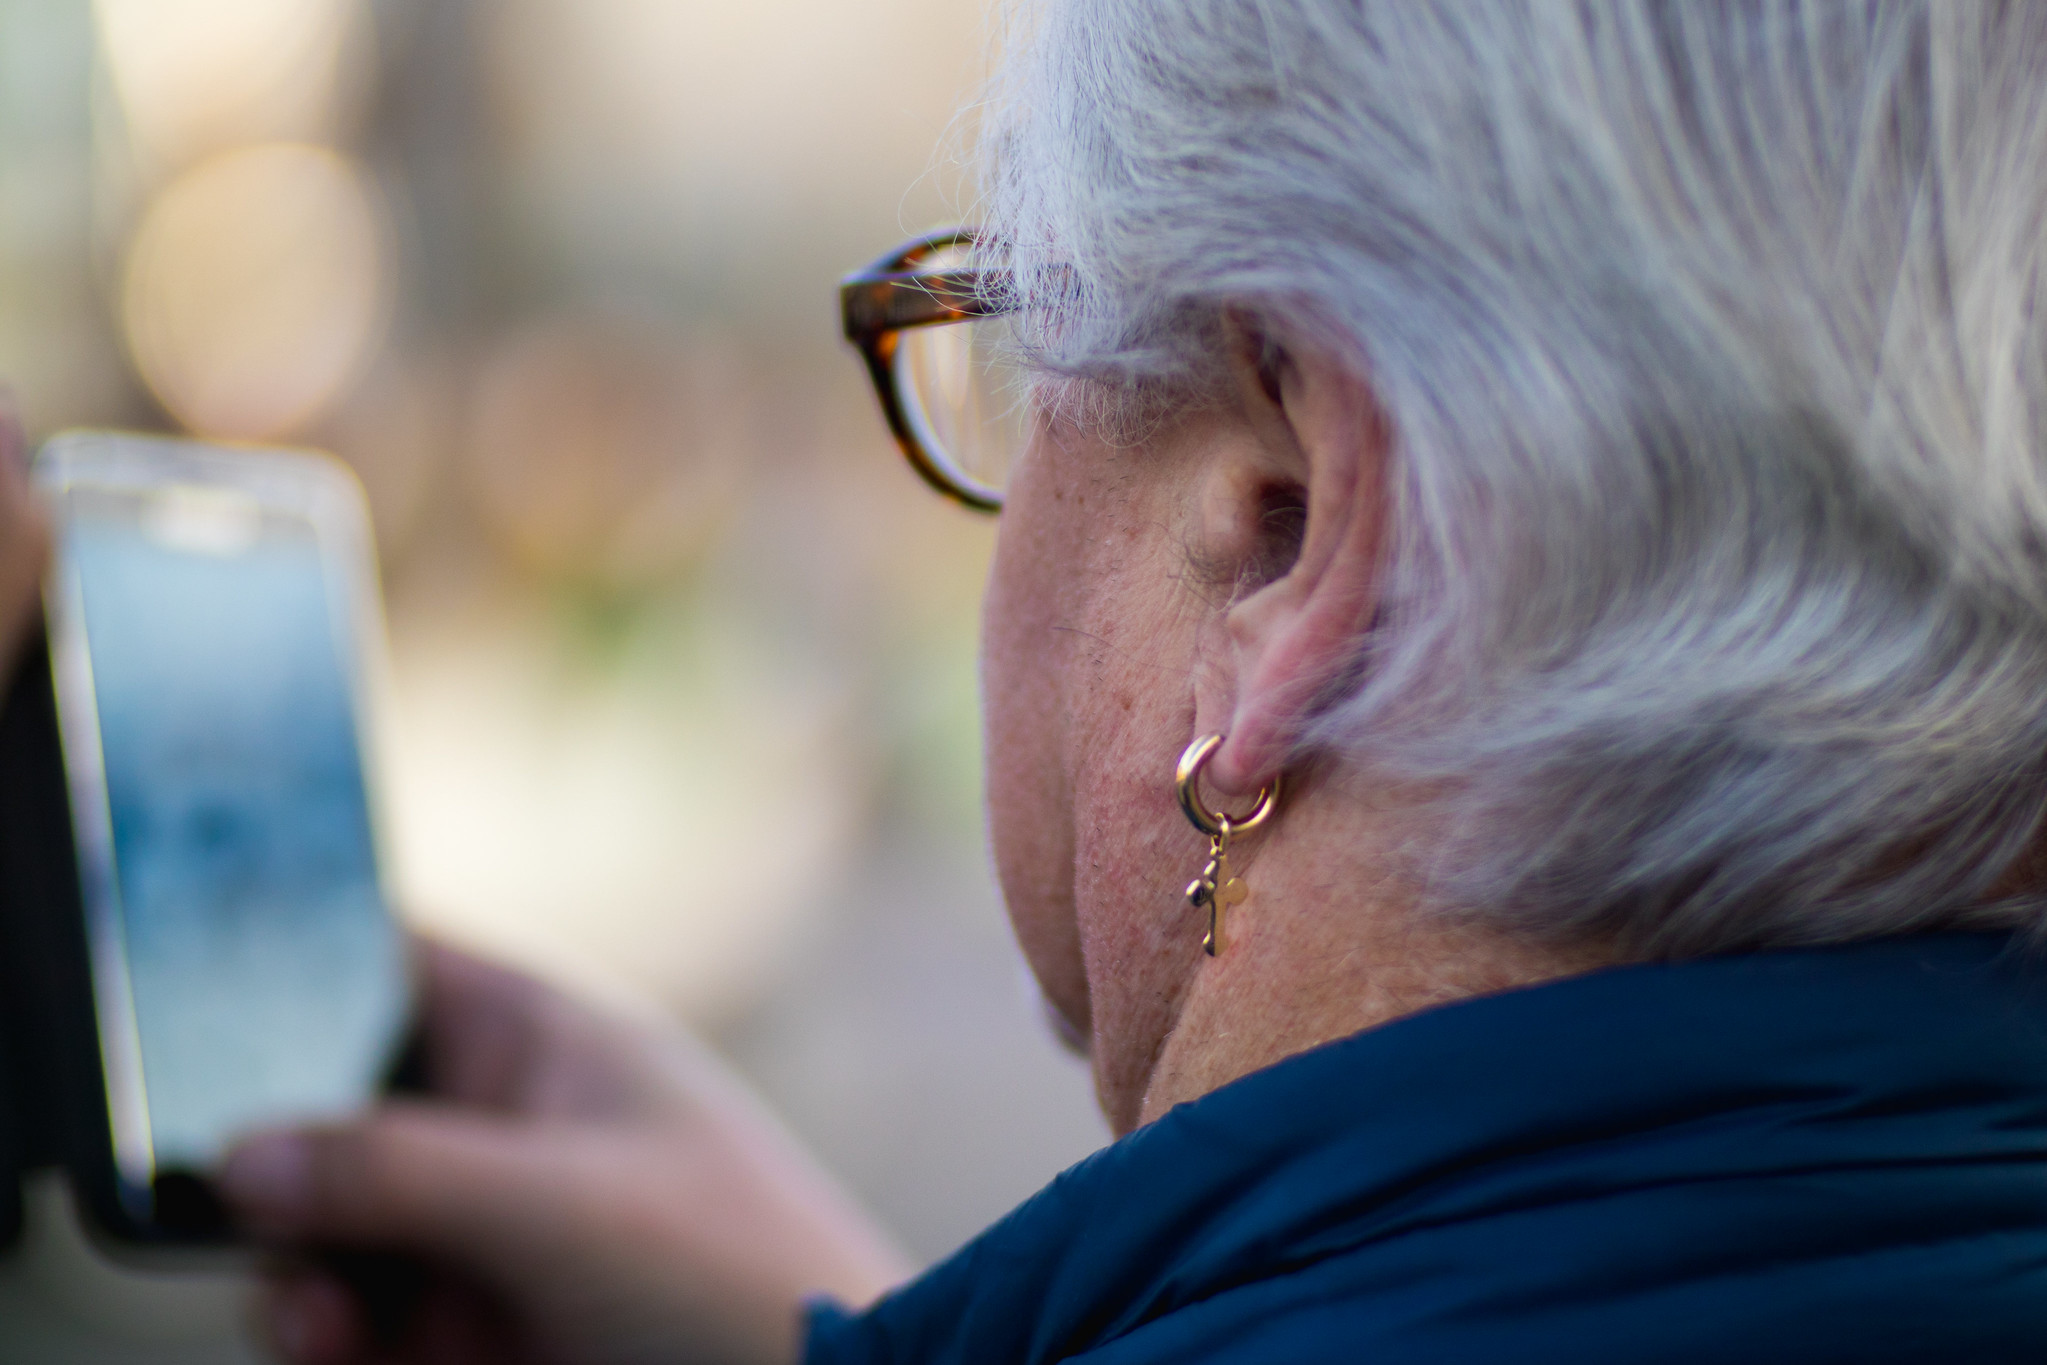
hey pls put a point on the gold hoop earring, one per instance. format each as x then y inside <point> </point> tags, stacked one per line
<point>1217,889</point>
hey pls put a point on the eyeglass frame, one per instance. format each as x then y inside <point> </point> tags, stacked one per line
<point>889,297</point>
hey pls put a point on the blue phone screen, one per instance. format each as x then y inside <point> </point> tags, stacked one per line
<point>265,972</point>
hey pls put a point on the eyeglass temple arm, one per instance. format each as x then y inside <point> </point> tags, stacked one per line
<point>872,303</point>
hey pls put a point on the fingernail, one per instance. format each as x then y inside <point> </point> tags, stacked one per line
<point>269,1176</point>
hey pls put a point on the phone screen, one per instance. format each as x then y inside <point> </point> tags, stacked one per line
<point>247,971</point>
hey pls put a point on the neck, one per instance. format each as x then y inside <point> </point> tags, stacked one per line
<point>1301,967</point>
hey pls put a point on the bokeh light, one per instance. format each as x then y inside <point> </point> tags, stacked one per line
<point>255,288</point>
<point>668,824</point>
<point>194,78</point>
<point>606,448</point>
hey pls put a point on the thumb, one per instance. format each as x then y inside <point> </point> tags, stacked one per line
<point>13,444</point>
<point>406,1177</point>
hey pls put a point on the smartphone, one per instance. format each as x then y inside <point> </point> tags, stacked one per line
<point>214,629</point>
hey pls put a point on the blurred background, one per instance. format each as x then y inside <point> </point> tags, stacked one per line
<point>682,696</point>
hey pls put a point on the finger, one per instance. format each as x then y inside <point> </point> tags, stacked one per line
<point>465,979</point>
<point>407,1177</point>
<point>13,442</point>
<point>479,1024</point>
<point>310,1318</point>
<point>498,1039</point>
<point>24,533</point>
<point>459,1324</point>
<point>24,538</point>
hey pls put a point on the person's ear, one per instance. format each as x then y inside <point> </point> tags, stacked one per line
<point>1299,633</point>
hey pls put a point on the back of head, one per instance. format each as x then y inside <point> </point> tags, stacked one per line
<point>1717,613</point>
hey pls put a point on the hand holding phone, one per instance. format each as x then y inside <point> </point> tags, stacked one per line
<point>579,1186</point>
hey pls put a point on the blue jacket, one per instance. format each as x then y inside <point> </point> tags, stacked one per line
<point>1836,1155</point>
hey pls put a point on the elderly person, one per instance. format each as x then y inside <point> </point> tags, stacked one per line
<point>1584,464</point>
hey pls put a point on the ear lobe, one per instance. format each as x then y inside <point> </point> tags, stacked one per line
<point>1299,635</point>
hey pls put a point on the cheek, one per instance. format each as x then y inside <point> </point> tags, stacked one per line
<point>1087,648</point>
<point>1026,669</point>
<point>1133,851</point>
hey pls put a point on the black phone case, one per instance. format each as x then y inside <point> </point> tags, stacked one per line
<point>10,1166</point>
<point>49,1037</point>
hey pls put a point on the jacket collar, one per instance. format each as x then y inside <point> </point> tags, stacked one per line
<point>1914,1050</point>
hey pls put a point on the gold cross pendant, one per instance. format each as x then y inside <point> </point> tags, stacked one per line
<point>1216,890</point>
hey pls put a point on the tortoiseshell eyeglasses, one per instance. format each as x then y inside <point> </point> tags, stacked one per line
<point>953,394</point>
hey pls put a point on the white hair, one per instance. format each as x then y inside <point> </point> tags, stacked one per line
<point>1711,340</point>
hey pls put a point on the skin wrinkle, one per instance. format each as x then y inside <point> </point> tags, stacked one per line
<point>1103,642</point>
